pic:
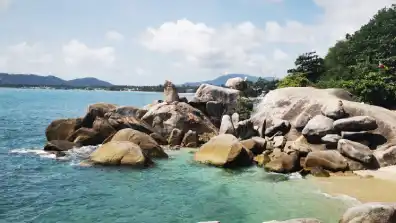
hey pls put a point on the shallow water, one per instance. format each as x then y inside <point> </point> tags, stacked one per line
<point>37,188</point>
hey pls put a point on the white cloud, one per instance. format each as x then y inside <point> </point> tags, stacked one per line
<point>140,71</point>
<point>246,47</point>
<point>77,53</point>
<point>4,4</point>
<point>114,36</point>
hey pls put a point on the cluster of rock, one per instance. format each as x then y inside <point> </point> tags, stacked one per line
<point>365,213</point>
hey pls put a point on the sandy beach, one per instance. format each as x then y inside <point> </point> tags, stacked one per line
<point>366,186</point>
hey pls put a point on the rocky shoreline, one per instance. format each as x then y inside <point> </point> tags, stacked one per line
<point>304,130</point>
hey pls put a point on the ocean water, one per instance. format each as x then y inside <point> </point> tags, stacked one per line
<point>34,187</point>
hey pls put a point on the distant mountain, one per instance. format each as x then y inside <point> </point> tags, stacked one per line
<point>37,80</point>
<point>223,79</point>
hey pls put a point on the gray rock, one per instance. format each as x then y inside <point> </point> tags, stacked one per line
<point>370,213</point>
<point>246,130</point>
<point>318,127</point>
<point>329,159</point>
<point>235,120</point>
<point>190,139</point>
<point>355,136</point>
<point>228,97</point>
<point>256,145</point>
<point>278,125</point>
<point>355,165</point>
<point>279,141</point>
<point>355,150</point>
<point>175,137</point>
<point>386,156</point>
<point>214,109</point>
<point>226,126</point>
<point>283,163</point>
<point>334,110</point>
<point>170,92</point>
<point>236,83</point>
<point>356,124</point>
<point>302,120</point>
<point>331,139</point>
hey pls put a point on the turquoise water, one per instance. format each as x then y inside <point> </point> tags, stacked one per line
<point>36,188</point>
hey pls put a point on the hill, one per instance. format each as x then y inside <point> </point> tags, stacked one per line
<point>37,80</point>
<point>223,79</point>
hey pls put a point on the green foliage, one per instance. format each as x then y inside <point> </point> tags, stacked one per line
<point>309,64</point>
<point>244,108</point>
<point>255,89</point>
<point>295,80</point>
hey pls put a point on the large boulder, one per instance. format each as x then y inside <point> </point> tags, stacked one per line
<point>355,151</point>
<point>214,109</point>
<point>245,130</point>
<point>103,127</point>
<point>355,124</point>
<point>334,110</point>
<point>329,159</point>
<point>224,151</point>
<point>175,137</point>
<point>370,213</point>
<point>228,97</point>
<point>256,145</point>
<point>96,110</point>
<point>86,137</point>
<point>283,163</point>
<point>278,125</point>
<point>302,120</point>
<point>61,129</point>
<point>331,139</point>
<point>165,117</point>
<point>317,127</point>
<point>126,111</point>
<point>120,153</point>
<point>146,142</point>
<point>237,83</point>
<point>170,92</point>
<point>289,103</point>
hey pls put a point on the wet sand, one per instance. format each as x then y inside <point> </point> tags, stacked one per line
<point>373,188</point>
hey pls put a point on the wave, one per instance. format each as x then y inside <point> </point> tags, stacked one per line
<point>39,152</point>
<point>343,197</point>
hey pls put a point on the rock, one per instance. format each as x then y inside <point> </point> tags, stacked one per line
<point>354,165</point>
<point>317,127</point>
<point>183,99</point>
<point>126,111</point>
<point>256,145</point>
<point>356,124</point>
<point>61,129</point>
<point>120,153</point>
<point>159,139</point>
<point>228,97</point>
<point>334,110</point>
<point>175,137</point>
<point>319,172</point>
<point>235,120</point>
<point>236,83</point>
<point>355,151</point>
<point>245,130</point>
<point>302,120</point>
<point>283,163</point>
<point>329,159</point>
<point>279,125</point>
<point>170,92</point>
<point>223,151</point>
<point>289,103</point>
<point>331,139</point>
<point>214,109</point>
<point>279,142</point>
<point>148,145</point>
<point>86,137</point>
<point>261,160</point>
<point>103,127</point>
<point>94,111</point>
<point>59,145</point>
<point>165,117</point>
<point>303,147</point>
<point>226,126</point>
<point>386,156</point>
<point>370,213</point>
<point>262,129</point>
<point>298,220</point>
<point>190,139</point>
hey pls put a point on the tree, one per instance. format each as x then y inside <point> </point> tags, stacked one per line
<point>309,64</point>
<point>295,80</point>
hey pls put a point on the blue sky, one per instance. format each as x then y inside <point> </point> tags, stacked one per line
<point>149,41</point>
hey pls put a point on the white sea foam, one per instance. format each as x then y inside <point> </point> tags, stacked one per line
<point>38,152</point>
<point>343,197</point>
<point>295,176</point>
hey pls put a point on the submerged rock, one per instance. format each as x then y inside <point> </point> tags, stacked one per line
<point>223,151</point>
<point>120,153</point>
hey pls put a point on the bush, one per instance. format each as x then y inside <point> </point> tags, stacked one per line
<point>294,80</point>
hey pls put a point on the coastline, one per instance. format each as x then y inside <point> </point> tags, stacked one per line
<point>365,186</point>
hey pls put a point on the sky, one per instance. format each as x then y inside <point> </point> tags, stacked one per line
<point>145,42</point>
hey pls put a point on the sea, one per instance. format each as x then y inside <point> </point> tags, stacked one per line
<point>36,187</point>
